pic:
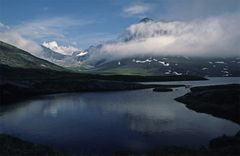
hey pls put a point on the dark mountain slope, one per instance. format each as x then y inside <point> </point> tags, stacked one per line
<point>15,57</point>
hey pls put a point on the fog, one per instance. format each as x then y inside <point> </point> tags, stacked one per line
<point>212,36</point>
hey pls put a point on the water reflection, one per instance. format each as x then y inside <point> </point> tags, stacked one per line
<point>112,121</point>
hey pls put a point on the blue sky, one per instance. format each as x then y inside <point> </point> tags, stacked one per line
<point>85,22</point>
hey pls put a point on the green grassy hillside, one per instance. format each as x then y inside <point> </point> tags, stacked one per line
<point>15,57</point>
<point>169,65</point>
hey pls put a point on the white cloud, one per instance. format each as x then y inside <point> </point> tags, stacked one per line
<point>26,35</point>
<point>136,9</point>
<point>14,38</point>
<point>52,27</point>
<point>215,36</point>
<point>66,50</point>
<point>1,25</point>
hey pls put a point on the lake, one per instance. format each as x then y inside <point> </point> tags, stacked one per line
<point>108,122</point>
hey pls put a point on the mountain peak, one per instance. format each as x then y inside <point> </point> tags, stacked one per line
<point>65,50</point>
<point>146,20</point>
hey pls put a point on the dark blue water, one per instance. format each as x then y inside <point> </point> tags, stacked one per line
<point>107,122</point>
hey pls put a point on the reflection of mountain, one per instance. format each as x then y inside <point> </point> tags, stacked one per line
<point>118,116</point>
<point>56,105</point>
<point>51,105</point>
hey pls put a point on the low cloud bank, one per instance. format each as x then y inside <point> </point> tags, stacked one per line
<point>214,36</point>
<point>16,39</point>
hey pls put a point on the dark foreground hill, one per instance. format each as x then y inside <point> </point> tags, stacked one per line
<point>18,83</point>
<point>221,101</point>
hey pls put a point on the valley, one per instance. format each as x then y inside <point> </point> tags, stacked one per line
<point>120,78</point>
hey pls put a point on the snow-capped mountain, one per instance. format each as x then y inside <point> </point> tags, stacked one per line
<point>146,28</point>
<point>65,50</point>
<point>104,60</point>
<point>62,55</point>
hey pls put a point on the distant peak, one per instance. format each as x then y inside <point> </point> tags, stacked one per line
<point>146,20</point>
<point>66,50</point>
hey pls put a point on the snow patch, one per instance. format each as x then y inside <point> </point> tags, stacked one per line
<point>66,50</point>
<point>43,65</point>
<point>82,53</point>
<point>164,63</point>
<point>147,60</point>
<point>168,72</point>
<point>220,62</point>
<point>176,73</point>
<point>204,68</point>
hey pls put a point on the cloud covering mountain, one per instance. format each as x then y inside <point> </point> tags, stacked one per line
<point>213,36</point>
<point>16,39</point>
<point>209,36</point>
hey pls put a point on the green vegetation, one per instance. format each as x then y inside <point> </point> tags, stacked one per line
<point>10,73</point>
<point>124,70</point>
<point>18,84</point>
<point>163,65</point>
<point>15,57</point>
<point>24,75</point>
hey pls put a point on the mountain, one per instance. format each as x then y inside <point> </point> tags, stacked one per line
<point>66,50</point>
<point>170,65</point>
<point>14,57</point>
<point>94,60</point>
<point>145,20</point>
<point>24,75</point>
<point>51,55</point>
<point>147,63</point>
<point>75,58</point>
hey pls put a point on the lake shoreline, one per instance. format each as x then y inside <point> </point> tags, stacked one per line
<point>219,100</point>
<point>223,145</point>
<point>13,92</point>
<point>18,84</point>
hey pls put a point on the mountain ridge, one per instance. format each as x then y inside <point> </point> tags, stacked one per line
<point>15,57</point>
